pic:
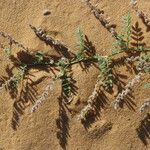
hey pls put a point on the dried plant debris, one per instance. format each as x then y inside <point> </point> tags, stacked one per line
<point>59,46</point>
<point>12,40</point>
<point>145,105</point>
<point>127,89</point>
<point>91,100</point>
<point>43,96</point>
<point>143,64</point>
<point>140,13</point>
<point>45,37</point>
<point>99,14</point>
<point>132,59</point>
<point>144,16</point>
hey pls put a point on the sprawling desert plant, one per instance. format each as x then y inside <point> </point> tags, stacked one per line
<point>26,60</point>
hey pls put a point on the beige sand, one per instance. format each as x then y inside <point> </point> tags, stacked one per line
<point>112,130</point>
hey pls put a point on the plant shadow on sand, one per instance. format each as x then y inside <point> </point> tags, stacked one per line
<point>145,23</point>
<point>137,36</point>
<point>27,95</point>
<point>62,123</point>
<point>90,51</point>
<point>143,130</point>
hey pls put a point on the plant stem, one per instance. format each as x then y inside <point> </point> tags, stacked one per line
<point>74,61</point>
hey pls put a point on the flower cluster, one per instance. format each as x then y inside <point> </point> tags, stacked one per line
<point>91,100</point>
<point>126,90</point>
<point>145,105</point>
<point>42,97</point>
<point>143,65</point>
<point>100,16</point>
<point>132,59</point>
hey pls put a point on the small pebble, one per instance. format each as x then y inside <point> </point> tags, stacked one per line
<point>46,12</point>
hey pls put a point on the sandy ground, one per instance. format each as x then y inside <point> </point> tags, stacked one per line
<point>52,127</point>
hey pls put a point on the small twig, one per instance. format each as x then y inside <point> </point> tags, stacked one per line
<point>12,40</point>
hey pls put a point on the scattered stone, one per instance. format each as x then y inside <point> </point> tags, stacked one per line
<point>46,12</point>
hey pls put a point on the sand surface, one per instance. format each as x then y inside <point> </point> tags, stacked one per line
<point>52,126</point>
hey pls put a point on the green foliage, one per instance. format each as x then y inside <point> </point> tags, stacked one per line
<point>105,71</point>
<point>147,57</point>
<point>7,51</point>
<point>127,20</point>
<point>119,44</point>
<point>122,42</point>
<point>80,45</point>
<point>66,83</point>
<point>143,49</point>
<point>65,77</point>
<point>147,85</point>
<point>17,77</point>
<point>63,63</point>
<point>39,56</point>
